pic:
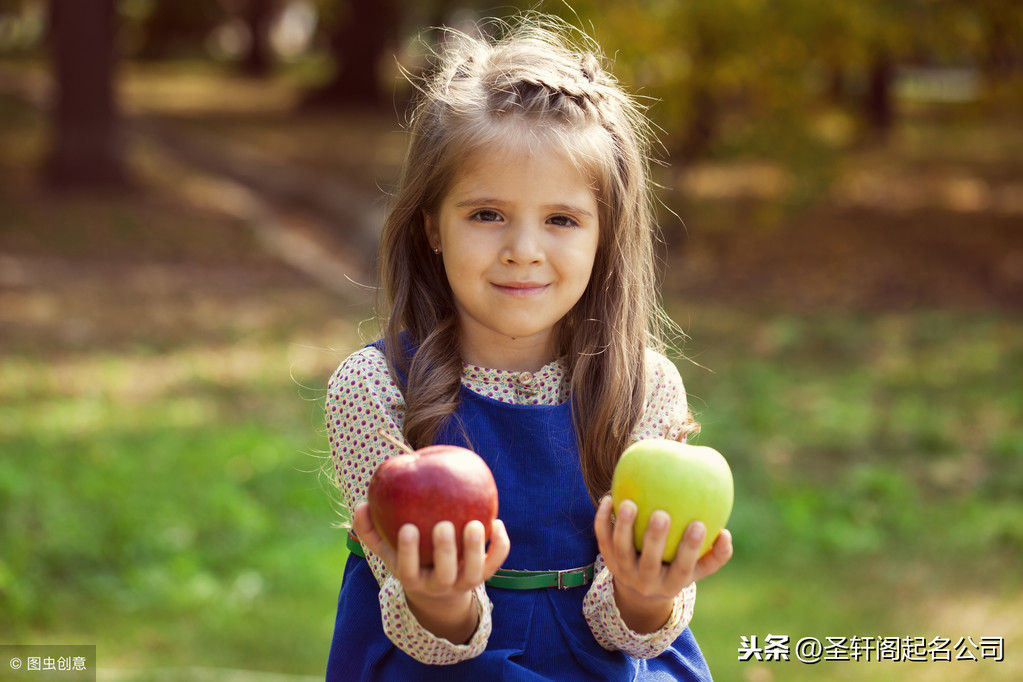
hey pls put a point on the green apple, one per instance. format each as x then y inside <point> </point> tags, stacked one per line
<point>690,482</point>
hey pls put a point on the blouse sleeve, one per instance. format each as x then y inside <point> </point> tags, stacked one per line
<point>664,417</point>
<point>361,400</point>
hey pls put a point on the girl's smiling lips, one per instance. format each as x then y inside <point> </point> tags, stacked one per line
<point>520,289</point>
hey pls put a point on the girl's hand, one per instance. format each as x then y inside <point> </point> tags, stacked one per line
<point>440,596</point>
<point>644,586</point>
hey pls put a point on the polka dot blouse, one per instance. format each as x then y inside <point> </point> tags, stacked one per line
<point>362,399</point>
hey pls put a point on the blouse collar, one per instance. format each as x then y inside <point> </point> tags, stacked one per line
<point>546,386</point>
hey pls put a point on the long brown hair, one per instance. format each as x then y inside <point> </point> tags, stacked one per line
<point>543,78</point>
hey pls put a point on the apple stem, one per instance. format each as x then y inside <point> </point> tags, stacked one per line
<point>395,442</point>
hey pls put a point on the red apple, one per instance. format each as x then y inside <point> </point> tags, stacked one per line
<point>436,483</point>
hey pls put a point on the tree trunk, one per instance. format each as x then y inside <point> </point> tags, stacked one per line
<point>178,27</point>
<point>358,44</point>
<point>258,59</point>
<point>878,105</point>
<point>702,128</point>
<point>86,149</point>
<point>835,88</point>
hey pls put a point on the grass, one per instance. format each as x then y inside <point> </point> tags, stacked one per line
<point>878,466</point>
<point>182,523</point>
<point>905,414</point>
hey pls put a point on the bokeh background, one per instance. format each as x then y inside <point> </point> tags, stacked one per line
<point>190,193</point>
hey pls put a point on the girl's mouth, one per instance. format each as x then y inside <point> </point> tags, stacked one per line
<point>520,289</point>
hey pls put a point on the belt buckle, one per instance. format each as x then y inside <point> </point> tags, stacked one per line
<point>570,571</point>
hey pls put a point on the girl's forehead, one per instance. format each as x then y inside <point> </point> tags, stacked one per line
<point>530,150</point>
<point>504,153</point>
<point>505,172</point>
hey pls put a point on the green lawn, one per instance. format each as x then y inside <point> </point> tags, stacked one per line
<point>184,524</point>
<point>878,463</point>
<point>181,523</point>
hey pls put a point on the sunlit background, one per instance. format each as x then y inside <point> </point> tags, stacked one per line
<point>190,194</point>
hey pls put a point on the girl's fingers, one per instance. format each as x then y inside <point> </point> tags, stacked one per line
<point>683,568</point>
<point>445,554</point>
<point>368,535</point>
<point>717,557</point>
<point>408,555</point>
<point>474,554</point>
<point>654,539</point>
<point>603,528</point>
<point>624,546</point>
<point>361,523</point>
<point>500,545</point>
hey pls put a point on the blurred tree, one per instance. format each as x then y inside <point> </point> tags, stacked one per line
<point>715,70</point>
<point>86,149</point>
<point>362,34</point>
<point>878,103</point>
<point>699,62</point>
<point>175,28</point>
<point>1000,45</point>
<point>258,59</point>
<point>884,34</point>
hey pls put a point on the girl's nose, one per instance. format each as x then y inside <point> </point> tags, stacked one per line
<point>523,246</point>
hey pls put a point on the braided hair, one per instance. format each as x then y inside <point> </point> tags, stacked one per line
<point>543,83</point>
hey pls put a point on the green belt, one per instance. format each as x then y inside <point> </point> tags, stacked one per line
<point>516,580</point>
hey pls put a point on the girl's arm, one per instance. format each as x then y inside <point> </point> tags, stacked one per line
<point>361,399</point>
<point>621,616</point>
<point>645,589</point>
<point>441,597</point>
<point>638,604</point>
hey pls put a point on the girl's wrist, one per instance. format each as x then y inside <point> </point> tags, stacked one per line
<point>453,617</point>
<point>640,613</point>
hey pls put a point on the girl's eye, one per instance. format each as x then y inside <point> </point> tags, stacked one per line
<point>562,221</point>
<point>486,216</point>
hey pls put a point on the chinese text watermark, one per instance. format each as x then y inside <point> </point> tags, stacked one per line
<point>865,649</point>
<point>48,663</point>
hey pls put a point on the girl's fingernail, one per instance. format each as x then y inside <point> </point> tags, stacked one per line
<point>697,531</point>
<point>659,520</point>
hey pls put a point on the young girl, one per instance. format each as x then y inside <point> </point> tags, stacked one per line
<point>517,265</point>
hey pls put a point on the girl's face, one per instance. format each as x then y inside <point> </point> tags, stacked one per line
<point>518,234</point>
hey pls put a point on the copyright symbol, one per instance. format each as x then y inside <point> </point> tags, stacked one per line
<point>15,663</point>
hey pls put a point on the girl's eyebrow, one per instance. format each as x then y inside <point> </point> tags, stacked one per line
<point>499,203</point>
<point>466,203</point>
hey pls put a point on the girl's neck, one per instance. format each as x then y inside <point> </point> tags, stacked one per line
<point>514,355</point>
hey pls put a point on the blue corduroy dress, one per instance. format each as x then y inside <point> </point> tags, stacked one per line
<point>538,634</point>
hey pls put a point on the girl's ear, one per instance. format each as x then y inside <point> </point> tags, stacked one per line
<point>430,227</point>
